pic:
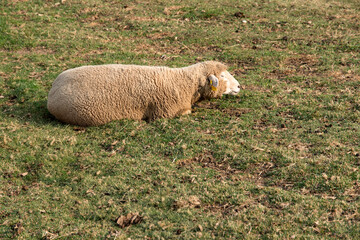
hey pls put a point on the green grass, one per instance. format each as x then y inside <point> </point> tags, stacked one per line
<point>278,161</point>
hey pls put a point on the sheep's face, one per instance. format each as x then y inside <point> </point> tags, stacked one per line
<point>216,86</point>
<point>232,85</point>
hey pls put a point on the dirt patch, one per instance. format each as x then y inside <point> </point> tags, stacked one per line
<point>296,65</point>
<point>303,63</point>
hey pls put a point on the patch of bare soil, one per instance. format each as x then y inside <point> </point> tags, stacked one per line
<point>295,65</point>
<point>302,62</point>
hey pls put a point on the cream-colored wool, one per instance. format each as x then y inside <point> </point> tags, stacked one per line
<point>94,95</point>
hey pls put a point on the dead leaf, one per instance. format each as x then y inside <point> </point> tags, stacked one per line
<point>79,129</point>
<point>164,225</point>
<point>91,192</point>
<point>167,10</point>
<point>258,149</point>
<point>93,24</point>
<point>128,8</point>
<point>18,228</point>
<point>239,15</point>
<point>194,200</point>
<point>52,142</point>
<point>24,174</point>
<point>129,219</point>
<point>191,202</point>
<point>49,235</point>
<point>113,153</point>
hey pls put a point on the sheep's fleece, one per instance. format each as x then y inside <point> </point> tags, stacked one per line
<point>94,95</point>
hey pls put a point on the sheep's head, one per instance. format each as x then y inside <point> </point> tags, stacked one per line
<point>218,80</point>
<point>225,83</point>
<point>232,85</point>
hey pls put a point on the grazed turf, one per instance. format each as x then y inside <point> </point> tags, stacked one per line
<point>281,160</point>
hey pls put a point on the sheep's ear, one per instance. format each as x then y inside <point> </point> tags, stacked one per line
<point>214,82</point>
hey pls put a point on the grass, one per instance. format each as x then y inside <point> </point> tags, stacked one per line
<point>281,160</point>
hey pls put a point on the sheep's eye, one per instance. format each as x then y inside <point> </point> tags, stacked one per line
<point>222,76</point>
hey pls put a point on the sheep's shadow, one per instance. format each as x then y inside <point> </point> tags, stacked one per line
<point>35,112</point>
<point>29,112</point>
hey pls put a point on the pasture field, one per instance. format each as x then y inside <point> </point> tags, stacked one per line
<point>279,161</point>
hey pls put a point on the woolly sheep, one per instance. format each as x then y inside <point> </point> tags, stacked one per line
<point>95,95</point>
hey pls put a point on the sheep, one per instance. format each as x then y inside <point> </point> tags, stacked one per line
<point>95,95</point>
